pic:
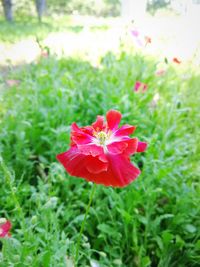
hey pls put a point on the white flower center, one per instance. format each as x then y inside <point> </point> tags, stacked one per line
<point>102,137</point>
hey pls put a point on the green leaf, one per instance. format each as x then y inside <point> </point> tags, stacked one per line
<point>190,228</point>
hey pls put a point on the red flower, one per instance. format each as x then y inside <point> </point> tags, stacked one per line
<point>140,39</point>
<point>44,54</point>
<point>139,86</point>
<point>101,152</point>
<point>5,227</point>
<point>176,60</point>
<point>147,40</point>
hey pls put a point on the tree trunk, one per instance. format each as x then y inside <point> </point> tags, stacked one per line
<point>7,7</point>
<point>40,6</point>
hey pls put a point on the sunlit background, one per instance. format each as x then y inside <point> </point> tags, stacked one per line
<point>94,27</point>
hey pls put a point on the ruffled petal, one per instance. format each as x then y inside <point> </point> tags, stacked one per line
<point>98,124</point>
<point>80,165</point>
<point>5,229</point>
<point>78,136</point>
<point>94,165</point>
<point>127,147</point>
<point>113,119</point>
<point>117,172</point>
<point>142,146</point>
<point>90,149</point>
<point>125,130</point>
<point>74,162</point>
<point>132,146</point>
<point>120,172</point>
<point>117,147</point>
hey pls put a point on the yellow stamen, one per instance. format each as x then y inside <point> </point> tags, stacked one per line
<point>101,136</point>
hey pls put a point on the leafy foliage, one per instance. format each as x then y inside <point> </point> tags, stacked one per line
<point>152,222</point>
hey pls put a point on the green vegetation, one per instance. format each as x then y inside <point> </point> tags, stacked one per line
<point>152,222</point>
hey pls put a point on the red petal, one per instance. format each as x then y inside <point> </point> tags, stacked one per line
<point>6,226</point>
<point>73,162</point>
<point>132,146</point>
<point>117,147</point>
<point>80,165</point>
<point>127,147</point>
<point>98,124</point>
<point>144,87</point>
<point>113,119</point>
<point>86,130</point>
<point>78,136</point>
<point>125,130</point>
<point>120,173</point>
<point>147,39</point>
<point>176,60</point>
<point>90,149</point>
<point>142,146</point>
<point>5,229</point>
<point>123,171</point>
<point>75,128</point>
<point>94,165</point>
<point>137,86</point>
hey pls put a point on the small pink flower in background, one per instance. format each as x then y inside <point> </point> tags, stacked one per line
<point>135,33</point>
<point>176,60</point>
<point>147,40</point>
<point>45,52</point>
<point>161,69</point>
<point>140,39</point>
<point>140,87</point>
<point>5,227</point>
<point>12,83</point>
<point>160,72</point>
<point>136,38</point>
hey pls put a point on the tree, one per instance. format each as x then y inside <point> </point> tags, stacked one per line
<point>7,7</point>
<point>40,6</point>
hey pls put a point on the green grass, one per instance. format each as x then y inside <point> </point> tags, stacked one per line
<point>152,222</point>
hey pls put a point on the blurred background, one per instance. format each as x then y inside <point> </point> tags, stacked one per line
<point>72,26</point>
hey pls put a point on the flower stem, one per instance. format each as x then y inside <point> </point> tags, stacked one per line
<point>8,177</point>
<point>83,222</point>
